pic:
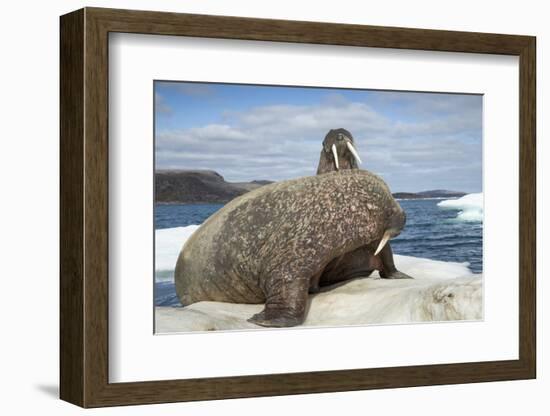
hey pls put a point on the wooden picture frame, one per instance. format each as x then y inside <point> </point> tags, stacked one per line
<point>84,207</point>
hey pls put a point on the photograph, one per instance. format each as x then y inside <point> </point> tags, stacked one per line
<point>291,206</point>
<point>299,206</point>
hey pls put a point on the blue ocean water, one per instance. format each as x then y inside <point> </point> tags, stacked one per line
<point>435,233</point>
<point>182,215</point>
<point>430,232</point>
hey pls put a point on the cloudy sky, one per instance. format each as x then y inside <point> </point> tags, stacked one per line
<point>415,141</point>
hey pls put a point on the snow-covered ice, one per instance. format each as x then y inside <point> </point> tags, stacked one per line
<point>440,291</point>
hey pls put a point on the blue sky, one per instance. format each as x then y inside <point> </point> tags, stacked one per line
<point>416,141</point>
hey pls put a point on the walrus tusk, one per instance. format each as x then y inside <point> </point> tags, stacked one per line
<point>335,154</point>
<point>353,152</point>
<point>383,242</point>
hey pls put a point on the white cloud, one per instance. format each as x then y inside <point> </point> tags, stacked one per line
<point>436,146</point>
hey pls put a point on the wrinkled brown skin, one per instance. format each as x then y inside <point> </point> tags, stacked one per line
<point>360,262</point>
<point>271,244</point>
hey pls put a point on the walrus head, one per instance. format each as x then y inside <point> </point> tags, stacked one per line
<point>338,152</point>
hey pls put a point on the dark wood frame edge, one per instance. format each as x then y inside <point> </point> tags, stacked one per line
<point>84,207</point>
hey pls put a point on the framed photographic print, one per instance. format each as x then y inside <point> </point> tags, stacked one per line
<point>255,207</point>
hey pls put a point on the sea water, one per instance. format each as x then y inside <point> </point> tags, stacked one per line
<point>447,230</point>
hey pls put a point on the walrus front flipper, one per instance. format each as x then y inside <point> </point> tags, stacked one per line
<point>395,275</point>
<point>389,271</point>
<point>286,303</point>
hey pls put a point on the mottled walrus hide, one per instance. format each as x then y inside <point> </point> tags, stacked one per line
<point>272,244</point>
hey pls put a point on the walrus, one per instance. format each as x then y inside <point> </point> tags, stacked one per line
<point>271,245</point>
<point>339,152</point>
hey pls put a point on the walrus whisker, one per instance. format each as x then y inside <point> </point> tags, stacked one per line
<point>335,154</point>
<point>385,238</point>
<point>353,151</point>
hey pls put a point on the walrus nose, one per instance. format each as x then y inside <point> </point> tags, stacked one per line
<point>398,219</point>
<point>395,225</point>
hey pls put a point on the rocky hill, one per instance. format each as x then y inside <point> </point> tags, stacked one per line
<point>198,186</point>
<point>209,187</point>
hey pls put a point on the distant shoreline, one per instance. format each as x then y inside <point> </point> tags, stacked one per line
<point>429,197</point>
<point>188,203</point>
<point>223,203</point>
<point>196,187</point>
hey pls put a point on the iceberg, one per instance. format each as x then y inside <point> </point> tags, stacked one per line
<point>470,207</point>
<point>168,244</point>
